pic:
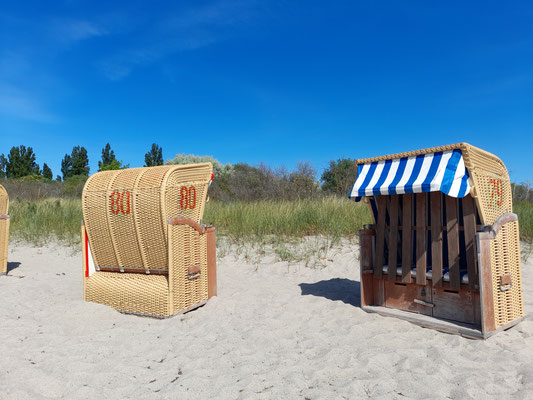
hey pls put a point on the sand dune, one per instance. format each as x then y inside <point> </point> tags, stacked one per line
<point>276,331</point>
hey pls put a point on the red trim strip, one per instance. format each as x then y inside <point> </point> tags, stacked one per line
<point>86,255</point>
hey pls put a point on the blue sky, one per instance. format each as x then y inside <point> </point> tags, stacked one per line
<point>271,81</point>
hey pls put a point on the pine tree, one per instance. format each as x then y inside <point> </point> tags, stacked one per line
<point>20,162</point>
<point>3,163</point>
<point>80,161</point>
<point>47,172</point>
<point>66,166</point>
<point>109,161</point>
<point>154,157</point>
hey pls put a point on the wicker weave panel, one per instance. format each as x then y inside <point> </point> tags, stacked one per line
<point>187,248</point>
<point>4,236</point>
<point>95,208</point>
<point>4,229</point>
<point>4,200</point>
<point>505,260</point>
<point>145,294</point>
<point>122,225</point>
<point>126,212</point>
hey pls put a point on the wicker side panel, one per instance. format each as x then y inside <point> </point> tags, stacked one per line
<point>186,192</point>
<point>494,198</point>
<point>187,249</point>
<point>491,183</point>
<point>4,236</point>
<point>505,260</point>
<point>145,294</point>
<point>95,207</point>
<point>4,200</point>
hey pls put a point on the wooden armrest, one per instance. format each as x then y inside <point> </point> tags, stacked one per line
<point>180,220</point>
<point>4,216</point>
<point>503,219</point>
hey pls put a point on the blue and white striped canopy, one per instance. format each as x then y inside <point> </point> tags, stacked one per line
<point>440,171</point>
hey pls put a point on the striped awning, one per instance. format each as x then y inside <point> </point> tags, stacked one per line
<point>440,171</point>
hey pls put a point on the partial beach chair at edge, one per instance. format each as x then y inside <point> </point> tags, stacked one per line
<point>444,249</point>
<point>4,229</point>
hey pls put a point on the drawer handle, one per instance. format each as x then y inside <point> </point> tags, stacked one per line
<point>424,303</point>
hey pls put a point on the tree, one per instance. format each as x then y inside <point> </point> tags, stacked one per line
<point>219,169</point>
<point>339,177</point>
<point>20,162</point>
<point>47,172</point>
<point>77,163</point>
<point>80,161</point>
<point>154,157</point>
<point>109,161</point>
<point>66,166</point>
<point>3,163</point>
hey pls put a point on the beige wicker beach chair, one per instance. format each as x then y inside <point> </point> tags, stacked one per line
<point>444,249</point>
<point>4,229</point>
<point>145,249</point>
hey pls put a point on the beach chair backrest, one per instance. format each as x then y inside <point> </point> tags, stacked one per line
<point>126,213</point>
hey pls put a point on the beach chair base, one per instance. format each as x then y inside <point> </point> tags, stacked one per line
<point>457,328</point>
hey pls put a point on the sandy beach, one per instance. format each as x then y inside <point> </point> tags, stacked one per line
<point>277,330</point>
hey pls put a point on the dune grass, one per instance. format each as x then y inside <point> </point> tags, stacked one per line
<point>42,220</point>
<point>49,219</point>
<point>329,216</point>
<point>524,209</point>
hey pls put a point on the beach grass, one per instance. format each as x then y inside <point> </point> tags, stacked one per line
<point>40,221</point>
<point>53,218</point>
<point>329,216</point>
<point>524,209</point>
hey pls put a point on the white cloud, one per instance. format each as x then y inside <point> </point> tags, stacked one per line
<point>191,29</point>
<point>66,31</point>
<point>21,104</point>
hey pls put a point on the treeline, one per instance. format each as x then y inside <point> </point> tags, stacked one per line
<point>20,163</point>
<point>233,182</point>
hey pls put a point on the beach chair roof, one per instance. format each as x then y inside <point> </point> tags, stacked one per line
<point>442,171</point>
<point>456,170</point>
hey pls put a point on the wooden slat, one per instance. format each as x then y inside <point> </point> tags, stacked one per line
<point>453,242</point>
<point>421,235</point>
<point>469,218</point>
<point>407,221</point>
<point>393,236</point>
<point>365,259</point>
<point>211,262</point>
<point>436,238</point>
<point>380,236</point>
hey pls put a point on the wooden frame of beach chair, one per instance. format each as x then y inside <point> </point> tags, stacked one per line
<point>145,249</point>
<point>458,270</point>
<point>4,229</point>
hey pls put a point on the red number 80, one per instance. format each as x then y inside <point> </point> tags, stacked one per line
<point>187,197</point>
<point>117,202</point>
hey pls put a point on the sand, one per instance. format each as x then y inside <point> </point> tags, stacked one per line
<point>275,331</point>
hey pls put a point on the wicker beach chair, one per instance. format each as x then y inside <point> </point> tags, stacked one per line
<point>4,229</point>
<point>444,249</point>
<point>145,249</point>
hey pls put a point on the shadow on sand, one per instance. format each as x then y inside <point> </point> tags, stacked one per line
<point>11,266</point>
<point>345,290</point>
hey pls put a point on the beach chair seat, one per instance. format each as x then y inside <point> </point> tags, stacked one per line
<point>446,273</point>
